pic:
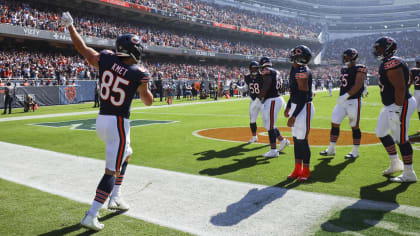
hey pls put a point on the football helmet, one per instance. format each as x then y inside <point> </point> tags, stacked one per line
<point>128,45</point>
<point>253,67</point>
<point>300,55</point>
<point>265,61</point>
<point>384,47</point>
<point>350,55</point>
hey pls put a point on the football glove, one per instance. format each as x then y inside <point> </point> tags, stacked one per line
<point>66,19</point>
<point>394,113</point>
<point>343,98</point>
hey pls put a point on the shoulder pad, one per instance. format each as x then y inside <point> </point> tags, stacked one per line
<point>392,63</point>
<point>361,68</point>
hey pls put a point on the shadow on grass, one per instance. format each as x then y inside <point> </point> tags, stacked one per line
<point>226,153</point>
<point>238,165</point>
<point>251,203</point>
<point>78,226</point>
<point>326,173</point>
<point>365,214</point>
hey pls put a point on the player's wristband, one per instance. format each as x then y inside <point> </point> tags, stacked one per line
<point>299,107</point>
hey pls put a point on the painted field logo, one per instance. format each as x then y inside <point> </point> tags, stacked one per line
<point>90,124</point>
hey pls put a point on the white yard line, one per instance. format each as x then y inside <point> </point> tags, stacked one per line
<point>96,112</point>
<point>195,204</point>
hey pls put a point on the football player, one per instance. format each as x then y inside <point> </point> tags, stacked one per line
<point>273,102</point>
<point>349,103</point>
<point>399,105</point>
<point>254,83</point>
<point>120,78</point>
<point>300,110</point>
<point>415,79</point>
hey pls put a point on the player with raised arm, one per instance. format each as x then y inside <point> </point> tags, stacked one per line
<point>399,105</point>
<point>300,110</point>
<point>273,102</point>
<point>349,103</point>
<point>120,78</point>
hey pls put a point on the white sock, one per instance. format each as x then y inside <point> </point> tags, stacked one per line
<point>331,148</point>
<point>394,157</point>
<point>94,209</point>
<point>116,191</point>
<point>408,167</point>
<point>355,150</point>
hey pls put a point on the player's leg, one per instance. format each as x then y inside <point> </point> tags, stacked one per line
<point>270,111</point>
<point>253,115</point>
<point>106,129</point>
<point>337,117</point>
<point>353,112</point>
<point>300,133</point>
<point>382,131</point>
<point>284,142</point>
<point>116,202</point>
<point>405,147</point>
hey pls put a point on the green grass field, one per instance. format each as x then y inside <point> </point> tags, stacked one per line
<point>173,147</point>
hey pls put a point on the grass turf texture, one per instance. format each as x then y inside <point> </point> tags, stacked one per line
<point>173,147</point>
<point>54,215</point>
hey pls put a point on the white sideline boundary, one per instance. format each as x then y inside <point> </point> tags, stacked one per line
<point>196,204</point>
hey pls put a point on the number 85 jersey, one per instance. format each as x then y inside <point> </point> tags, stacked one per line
<point>118,83</point>
<point>348,79</point>
<point>254,83</point>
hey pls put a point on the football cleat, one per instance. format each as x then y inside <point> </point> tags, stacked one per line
<point>326,153</point>
<point>283,143</point>
<point>351,156</point>
<point>271,153</point>
<point>305,175</point>
<point>118,204</point>
<point>405,177</point>
<point>253,139</point>
<point>296,173</point>
<point>91,222</point>
<point>395,166</point>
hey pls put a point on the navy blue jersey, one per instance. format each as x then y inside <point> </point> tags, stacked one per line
<point>415,76</point>
<point>119,83</point>
<point>296,95</point>
<point>387,90</point>
<point>348,79</point>
<point>255,84</point>
<point>274,76</point>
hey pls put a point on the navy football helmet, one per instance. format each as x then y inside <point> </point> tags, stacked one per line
<point>128,45</point>
<point>300,55</point>
<point>253,67</point>
<point>265,61</point>
<point>350,55</point>
<point>384,47</point>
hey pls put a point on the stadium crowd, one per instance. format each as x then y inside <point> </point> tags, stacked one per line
<point>20,13</point>
<point>235,16</point>
<point>407,46</point>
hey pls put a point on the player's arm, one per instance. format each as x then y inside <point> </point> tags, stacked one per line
<point>358,84</point>
<point>410,80</point>
<point>396,77</point>
<point>145,94</point>
<point>90,54</point>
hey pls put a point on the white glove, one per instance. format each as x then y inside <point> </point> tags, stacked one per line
<point>394,112</point>
<point>256,105</point>
<point>343,98</point>
<point>66,19</point>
